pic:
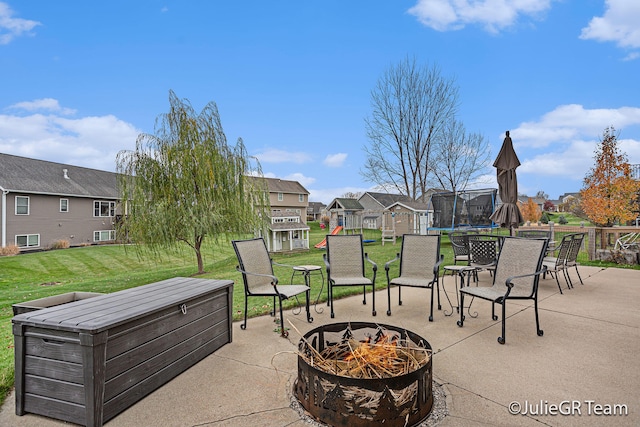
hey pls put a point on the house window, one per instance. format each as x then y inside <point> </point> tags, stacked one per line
<point>64,205</point>
<point>22,205</point>
<point>104,235</point>
<point>280,197</point>
<point>27,240</point>
<point>301,197</point>
<point>104,208</point>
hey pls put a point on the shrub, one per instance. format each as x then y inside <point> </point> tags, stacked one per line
<point>544,218</point>
<point>562,220</point>
<point>59,244</point>
<point>9,250</point>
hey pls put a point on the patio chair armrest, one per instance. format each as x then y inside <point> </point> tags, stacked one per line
<point>375,266</point>
<point>281,265</point>
<point>537,273</point>
<point>388,263</point>
<point>274,279</point>
<point>326,263</point>
<point>436,268</point>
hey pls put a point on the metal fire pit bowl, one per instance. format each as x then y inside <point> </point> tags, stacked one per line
<point>403,400</point>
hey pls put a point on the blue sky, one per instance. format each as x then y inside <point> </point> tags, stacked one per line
<point>79,80</point>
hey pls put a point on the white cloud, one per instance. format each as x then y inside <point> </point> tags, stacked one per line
<point>560,146</point>
<point>11,27</point>
<point>282,156</point>
<point>44,104</point>
<point>494,15</point>
<point>301,178</point>
<point>335,160</point>
<point>618,24</point>
<point>91,142</point>
<point>573,121</point>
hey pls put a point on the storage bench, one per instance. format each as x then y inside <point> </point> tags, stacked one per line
<point>86,361</point>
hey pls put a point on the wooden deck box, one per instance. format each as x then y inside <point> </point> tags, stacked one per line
<point>86,361</point>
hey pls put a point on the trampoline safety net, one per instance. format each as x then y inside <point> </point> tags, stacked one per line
<point>469,208</point>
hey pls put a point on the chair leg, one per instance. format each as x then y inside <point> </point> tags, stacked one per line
<point>273,311</point>
<point>243,325</point>
<point>431,308</point>
<point>557,281</point>
<point>461,321</point>
<point>309,318</point>
<point>331,299</point>
<point>579,277</point>
<point>399,295</point>
<point>364,294</point>
<point>283,332</point>
<point>373,299</point>
<point>539,331</point>
<point>567,278</point>
<point>389,299</point>
<point>502,339</point>
<point>438,285</point>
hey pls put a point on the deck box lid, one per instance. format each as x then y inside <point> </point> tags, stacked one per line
<point>100,313</point>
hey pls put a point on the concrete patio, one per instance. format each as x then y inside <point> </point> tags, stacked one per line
<point>587,362</point>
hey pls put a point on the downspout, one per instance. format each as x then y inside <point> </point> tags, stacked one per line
<point>4,216</point>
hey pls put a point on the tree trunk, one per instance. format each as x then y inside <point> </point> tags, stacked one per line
<point>197,247</point>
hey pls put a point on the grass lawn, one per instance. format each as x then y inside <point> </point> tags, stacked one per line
<point>110,268</point>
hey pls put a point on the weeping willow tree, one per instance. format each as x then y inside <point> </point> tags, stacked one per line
<point>184,183</point>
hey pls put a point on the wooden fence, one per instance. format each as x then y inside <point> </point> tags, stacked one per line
<point>596,238</point>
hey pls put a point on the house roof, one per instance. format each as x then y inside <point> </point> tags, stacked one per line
<point>25,175</point>
<point>277,185</point>
<point>346,204</point>
<point>316,207</point>
<point>387,199</point>
<point>411,205</point>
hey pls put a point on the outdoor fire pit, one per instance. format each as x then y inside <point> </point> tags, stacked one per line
<point>362,374</point>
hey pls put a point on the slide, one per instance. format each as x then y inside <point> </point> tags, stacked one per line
<point>324,241</point>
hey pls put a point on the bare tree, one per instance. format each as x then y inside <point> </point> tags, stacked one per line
<point>460,158</point>
<point>411,106</point>
<point>352,195</point>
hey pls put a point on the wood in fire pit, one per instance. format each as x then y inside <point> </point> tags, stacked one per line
<point>355,374</point>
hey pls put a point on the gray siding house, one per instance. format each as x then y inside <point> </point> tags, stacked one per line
<point>44,202</point>
<point>288,229</point>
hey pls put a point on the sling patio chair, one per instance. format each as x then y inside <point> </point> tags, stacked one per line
<point>256,267</point>
<point>572,256</point>
<point>419,267</point>
<point>483,252</point>
<point>539,234</point>
<point>460,244</point>
<point>516,277</point>
<point>344,261</point>
<point>558,263</point>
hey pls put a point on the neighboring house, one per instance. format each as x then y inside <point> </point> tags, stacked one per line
<point>346,213</point>
<point>564,200</point>
<point>288,229</point>
<point>314,211</point>
<point>409,217</point>
<point>523,199</point>
<point>44,202</point>
<point>374,204</point>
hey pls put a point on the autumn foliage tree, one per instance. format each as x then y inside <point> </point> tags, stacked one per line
<point>609,195</point>
<point>530,211</point>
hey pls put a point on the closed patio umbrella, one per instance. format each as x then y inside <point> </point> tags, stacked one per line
<point>508,214</point>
